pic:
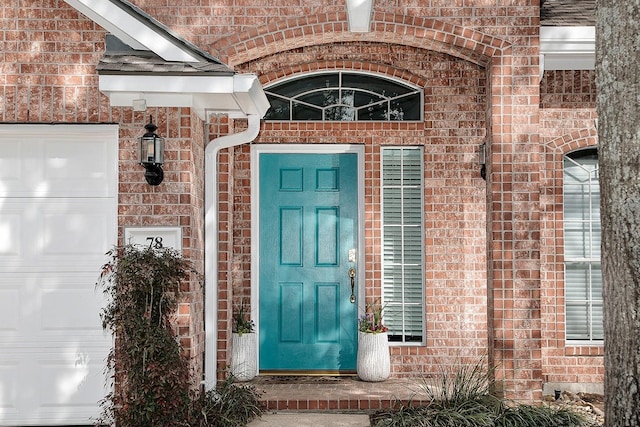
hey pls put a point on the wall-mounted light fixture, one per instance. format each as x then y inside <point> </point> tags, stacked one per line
<point>482,160</point>
<point>151,154</point>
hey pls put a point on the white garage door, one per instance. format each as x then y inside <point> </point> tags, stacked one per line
<point>58,213</point>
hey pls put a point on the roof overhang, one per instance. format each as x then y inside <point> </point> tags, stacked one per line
<point>121,20</point>
<point>219,91</point>
<point>237,95</point>
<point>567,48</point>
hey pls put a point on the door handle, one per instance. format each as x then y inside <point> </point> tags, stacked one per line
<point>352,277</point>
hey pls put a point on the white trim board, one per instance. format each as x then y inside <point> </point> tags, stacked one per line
<point>567,48</point>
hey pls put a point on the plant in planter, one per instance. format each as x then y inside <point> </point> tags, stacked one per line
<point>373,361</point>
<point>243,346</point>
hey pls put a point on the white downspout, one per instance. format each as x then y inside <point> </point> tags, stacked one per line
<point>211,240</point>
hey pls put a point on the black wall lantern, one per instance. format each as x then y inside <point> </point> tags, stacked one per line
<point>482,160</point>
<point>151,154</point>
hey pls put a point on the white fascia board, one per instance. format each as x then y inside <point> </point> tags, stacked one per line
<point>568,48</point>
<point>359,15</point>
<point>237,95</point>
<point>130,30</point>
<point>166,83</point>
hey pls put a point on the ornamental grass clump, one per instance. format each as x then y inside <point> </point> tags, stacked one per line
<point>461,397</point>
<point>229,405</point>
<point>241,323</point>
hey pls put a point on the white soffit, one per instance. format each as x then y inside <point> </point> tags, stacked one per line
<point>359,15</point>
<point>237,95</point>
<point>568,48</point>
<point>131,30</point>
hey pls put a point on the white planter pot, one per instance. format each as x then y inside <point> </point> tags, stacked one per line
<point>374,363</point>
<point>244,365</point>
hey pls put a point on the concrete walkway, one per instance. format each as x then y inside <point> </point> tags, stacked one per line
<point>304,419</point>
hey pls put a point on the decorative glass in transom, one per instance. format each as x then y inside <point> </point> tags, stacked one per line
<point>344,96</point>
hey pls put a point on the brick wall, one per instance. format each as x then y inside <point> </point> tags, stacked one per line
<point>567,101</point>
<point>48,56</point>
<point>503,43</point>
<point>47,64</point>
<point>478,65</point>
<point>455,218</point>
<point>511,90</point>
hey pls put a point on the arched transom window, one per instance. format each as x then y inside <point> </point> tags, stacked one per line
<point>344,96</point>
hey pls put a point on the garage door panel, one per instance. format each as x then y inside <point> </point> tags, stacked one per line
<point>11,170</point>
<point>44,307</point>
<point>61,315</point>
<point>55,234</point>
<point>9,371</point>
<point>9,309</point>
<point>73,229</point>
<point>39,162</point>
<point>52,386</point>
<point>10,230</point>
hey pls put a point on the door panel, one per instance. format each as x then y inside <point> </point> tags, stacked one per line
<point>308,223</point>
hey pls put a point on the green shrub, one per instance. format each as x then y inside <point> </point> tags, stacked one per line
<point>153,385</point>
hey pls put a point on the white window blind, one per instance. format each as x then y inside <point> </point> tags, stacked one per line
<point>583,275</point>
<point>402,243</point>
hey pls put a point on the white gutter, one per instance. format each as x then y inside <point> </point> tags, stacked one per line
<point>211,240</point>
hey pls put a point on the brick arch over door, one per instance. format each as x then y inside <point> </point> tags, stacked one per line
<point>332,27</point>
<point>374,68</point>
<point>513,137</point>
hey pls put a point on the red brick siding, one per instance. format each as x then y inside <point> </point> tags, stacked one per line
<point>47,64</point>
<point>567,124</point>
<point>478,64</point>
<point>177,202</point>
<point>455,93</point>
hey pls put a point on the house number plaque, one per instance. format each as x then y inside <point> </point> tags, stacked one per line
<point>154,237</point>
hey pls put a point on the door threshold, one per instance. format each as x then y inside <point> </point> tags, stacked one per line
<point>308,373</point>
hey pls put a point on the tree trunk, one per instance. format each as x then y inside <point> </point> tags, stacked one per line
<point>618,105</point>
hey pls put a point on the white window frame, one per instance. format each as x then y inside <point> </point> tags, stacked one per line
<point>390,304</point>
<point>589,259</point>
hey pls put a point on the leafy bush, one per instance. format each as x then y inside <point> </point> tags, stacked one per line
<point>461,398</point>
<point>152,377</point>
<point>151,374</point>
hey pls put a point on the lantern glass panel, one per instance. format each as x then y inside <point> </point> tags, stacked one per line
<point>151,150</point>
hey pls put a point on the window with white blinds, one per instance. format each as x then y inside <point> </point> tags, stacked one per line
<point>583,274</point>
<point>402,243</point>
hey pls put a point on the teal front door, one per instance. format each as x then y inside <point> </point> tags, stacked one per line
<point>308,226</point>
